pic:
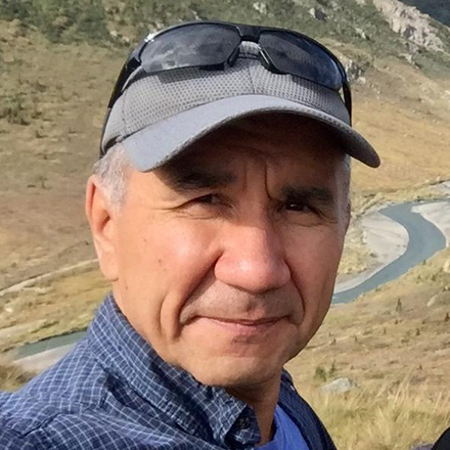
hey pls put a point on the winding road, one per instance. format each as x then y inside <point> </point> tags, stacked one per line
<point>424,240</point>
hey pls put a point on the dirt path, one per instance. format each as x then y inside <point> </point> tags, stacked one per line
<point>45,276</point>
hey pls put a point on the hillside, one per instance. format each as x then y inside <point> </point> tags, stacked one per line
<point>359,22</point>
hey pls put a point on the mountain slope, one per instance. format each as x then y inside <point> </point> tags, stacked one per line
<point>437,9</point>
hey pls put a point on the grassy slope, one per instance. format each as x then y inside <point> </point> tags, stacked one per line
<point>53,97</point>
<point>395,343</point>
<point>51,110</point>
<point>51,308</point>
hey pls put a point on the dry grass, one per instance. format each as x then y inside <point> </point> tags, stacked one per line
<point>385,418</point>
<point>56,95</point>
<point>50,308</point>
<point>405,115</point>
<point>395,344</point>
<point>12,377</point>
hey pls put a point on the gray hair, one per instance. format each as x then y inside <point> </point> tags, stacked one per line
<point>113,171</point>
<point>114,168</point>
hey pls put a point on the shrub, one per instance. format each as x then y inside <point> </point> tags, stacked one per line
<point>320,374</point>
<point>14,110</point>
<point>60,20</point>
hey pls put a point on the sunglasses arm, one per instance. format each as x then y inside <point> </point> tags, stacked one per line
<point>348,99</point>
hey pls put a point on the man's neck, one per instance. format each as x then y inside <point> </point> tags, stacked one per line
<point>263,399</point>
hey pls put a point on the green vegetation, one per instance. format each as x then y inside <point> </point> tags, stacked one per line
<point>333,19</point>
<point>359,26</point>
<point>149,15</point>
<point>106,20</point>
<point>321,374</point>
<point>60,20</point>
<point>13,109</point>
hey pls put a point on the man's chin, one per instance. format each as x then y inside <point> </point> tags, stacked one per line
<point>234,372</point>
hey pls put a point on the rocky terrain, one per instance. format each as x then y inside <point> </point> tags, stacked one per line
<point>411,24</point>
<point>438,9</point>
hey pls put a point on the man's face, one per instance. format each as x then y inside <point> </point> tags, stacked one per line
<point>225,259</point>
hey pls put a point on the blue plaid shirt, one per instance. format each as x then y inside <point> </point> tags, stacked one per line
<point>113,392</point>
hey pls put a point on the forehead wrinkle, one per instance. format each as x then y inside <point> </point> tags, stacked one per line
<point>243,161</point>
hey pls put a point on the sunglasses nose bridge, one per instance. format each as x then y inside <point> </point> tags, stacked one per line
<point>249,33</point>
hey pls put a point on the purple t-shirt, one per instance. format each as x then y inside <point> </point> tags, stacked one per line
<point>287,435</point>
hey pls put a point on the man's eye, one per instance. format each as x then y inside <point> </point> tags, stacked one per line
<point>299,207</point>
<point>209,199</point>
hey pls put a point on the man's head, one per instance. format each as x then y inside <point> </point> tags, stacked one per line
<point>223,245</point>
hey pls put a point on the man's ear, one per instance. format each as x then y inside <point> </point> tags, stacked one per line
<point>103,223</point>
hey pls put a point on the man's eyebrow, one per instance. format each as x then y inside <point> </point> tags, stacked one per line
<point>191,178</point>
<point>309,194</point>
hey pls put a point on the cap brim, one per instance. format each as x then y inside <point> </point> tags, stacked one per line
<point>158,143</point>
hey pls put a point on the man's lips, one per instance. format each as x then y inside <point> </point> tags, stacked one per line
<point>248,322</point>
<point>239,326</point>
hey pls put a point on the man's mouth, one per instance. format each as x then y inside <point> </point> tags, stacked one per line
<point>241,326</point>
<point>248,322</point>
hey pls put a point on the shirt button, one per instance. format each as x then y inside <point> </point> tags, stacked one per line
<point>244,423</point>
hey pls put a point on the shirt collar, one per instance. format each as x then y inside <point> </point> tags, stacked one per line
<point>196,408</point>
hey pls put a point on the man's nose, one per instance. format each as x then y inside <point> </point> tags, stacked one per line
<point>253,259</point>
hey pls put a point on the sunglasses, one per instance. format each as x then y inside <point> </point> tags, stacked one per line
<point>212,45</point>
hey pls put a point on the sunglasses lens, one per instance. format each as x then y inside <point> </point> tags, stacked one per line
<point>300,57</point>
<point>197,45</point>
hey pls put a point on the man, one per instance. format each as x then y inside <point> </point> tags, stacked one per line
<point>218,211</point>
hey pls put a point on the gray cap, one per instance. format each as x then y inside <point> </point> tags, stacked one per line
<point>159,115</point>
